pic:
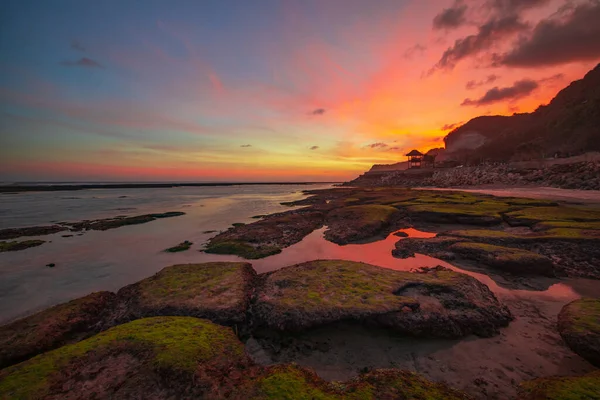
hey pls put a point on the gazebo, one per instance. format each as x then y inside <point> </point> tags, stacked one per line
<point>415,158</point>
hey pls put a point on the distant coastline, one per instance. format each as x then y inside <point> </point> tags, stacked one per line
<point>52,187</point>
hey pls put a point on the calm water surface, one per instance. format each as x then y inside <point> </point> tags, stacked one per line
<point>109,260</point>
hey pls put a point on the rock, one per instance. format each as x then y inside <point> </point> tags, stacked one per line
<point>117,222</point>
<point>401,234</point>
<point>54,327</point>
<point>219,291</point>
<point>443,303</point>
<point>16,246</point>
<point>434,247</point>
<point>293,382</point>
<point>586,387</point>
<point>183,246</point>
<point>516,261</point>
<point>152,358</point>
<point>51,265</point>
<point>483,213</point>
<point>13,233</point>
<point>266,236</point>
<point>579,326</point>
<point>354,223</point>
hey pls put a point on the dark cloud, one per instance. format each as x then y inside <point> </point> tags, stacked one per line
<point>395,148</point>
<point>493,31</point>
<point>571,35</point>
<point>313,147</point>
<point>246,145</point>
<point>75,45</point>
<point>318,111</point>
<point>451,18</point>
<point>82,62</point>
<point>508,7</point>
<point>449,127</point>
<point>519,89</point>
<point>378,145</point>
<point>412,51</point>
<point>475,84</point>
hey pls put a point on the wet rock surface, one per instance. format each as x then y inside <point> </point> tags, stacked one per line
<point>352,223</point>
<point>54,327</point>
<point>266,236</point>
<point>434,303</point>
<point>579,326</point>
<point>585,387</point>
<point>218,291</point>
<point>19,245</point>
<point>13,233</point>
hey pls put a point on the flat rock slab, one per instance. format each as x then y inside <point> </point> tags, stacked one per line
<point>55,327</point>
<point>579,326</point>
<point>348,224</point>
<point>267,236</point>
<point>151,358</point>
<point>513,260</point>
<point>435,303</point>
<point>219,291</point>
<point>586,387</point>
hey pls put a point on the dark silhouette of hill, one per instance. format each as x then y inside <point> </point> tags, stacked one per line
<point>569,124</point>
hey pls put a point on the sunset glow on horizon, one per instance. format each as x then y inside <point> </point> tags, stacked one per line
<point>265,90</point>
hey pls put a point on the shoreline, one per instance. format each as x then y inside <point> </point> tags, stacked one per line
<point>20,188</point>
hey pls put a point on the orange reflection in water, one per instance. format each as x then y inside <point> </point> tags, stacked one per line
<point>315,247</point>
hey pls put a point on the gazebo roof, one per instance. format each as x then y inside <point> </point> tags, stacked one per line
<point>414,153</point>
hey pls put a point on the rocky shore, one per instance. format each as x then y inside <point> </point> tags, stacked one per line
<point>216,330</point>
<point>581,175</point>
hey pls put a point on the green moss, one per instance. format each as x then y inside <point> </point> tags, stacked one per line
<point>584,387</point>
<point>290,383</point>
<point>350,286</point>
<point>499,253</point>
<point>481,209</point>
<point>209,285</point>
<point>583,315</point>
<point>242,249</point>
<point>15,245</point>
<point>563,213</point>
<point>183,246</point>
<point>551,234</point>
<point>517,201</point>
<point>481,233</point>
<point>590,225</point>
<point>175,344</point>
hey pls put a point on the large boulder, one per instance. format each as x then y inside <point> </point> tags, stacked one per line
<point>434,303</point>
<point>55,327</point>
<point>586,387</point>
<point>152,358</point>
<point>579,326</point>
<point>218,291</point>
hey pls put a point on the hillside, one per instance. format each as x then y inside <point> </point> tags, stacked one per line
<point>569,124</point>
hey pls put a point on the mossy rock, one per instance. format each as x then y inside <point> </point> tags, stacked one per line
<point>482,213</point>
<point>290,382</point>
<point>579,326</point>
<point>533,215</point>
<point>55,327</point>
<point>550,235</point>
<point>435,303</point>
<point>219,291</point>
<point>183,246</point>
<point>517,261</point>
<point>16,246</point>
<point>13,233</point>
<point>589,225</point>
<point>586,387</point>
<point>243,249</point>
<point>161,357</point>
<point>267,236</point>
<point>354,223</point>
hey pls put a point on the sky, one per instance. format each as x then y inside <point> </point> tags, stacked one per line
<point>268,90</point>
